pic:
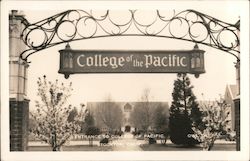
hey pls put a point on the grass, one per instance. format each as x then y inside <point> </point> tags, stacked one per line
<point>173,147</point>
<point>144,147</point>
<point>73,148</point>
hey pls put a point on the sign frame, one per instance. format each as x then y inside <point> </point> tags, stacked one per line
<point>75,61</point>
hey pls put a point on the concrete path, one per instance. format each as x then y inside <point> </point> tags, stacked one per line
<point>127,143</point>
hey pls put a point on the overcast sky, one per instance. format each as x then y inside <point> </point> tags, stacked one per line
<point>219,65</point>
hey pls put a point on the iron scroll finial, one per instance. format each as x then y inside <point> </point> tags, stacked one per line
<point>196,46</point>
<point>83,25</point>
<point>67,46</point>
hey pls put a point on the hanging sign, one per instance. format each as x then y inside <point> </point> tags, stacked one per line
<point>117,61</point>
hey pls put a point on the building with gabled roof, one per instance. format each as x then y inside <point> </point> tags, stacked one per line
<point>230,95</point>
<point>126,108</point>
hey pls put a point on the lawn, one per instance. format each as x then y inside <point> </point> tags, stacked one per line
<point>144,147</point>
<point>73,148</point>
<point>173,147</point>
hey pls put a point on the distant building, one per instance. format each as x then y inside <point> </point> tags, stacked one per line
<point>230,95</point>
<point>126,108</point>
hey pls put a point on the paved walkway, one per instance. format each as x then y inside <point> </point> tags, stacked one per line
<point>127,143</point>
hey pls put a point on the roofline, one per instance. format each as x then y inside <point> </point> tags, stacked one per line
<point>230,91</point>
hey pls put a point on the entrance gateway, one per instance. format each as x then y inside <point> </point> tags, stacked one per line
<point>23,44</point>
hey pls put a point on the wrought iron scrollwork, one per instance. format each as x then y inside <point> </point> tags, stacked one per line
<point>73,25</point>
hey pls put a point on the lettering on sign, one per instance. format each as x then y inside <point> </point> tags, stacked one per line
<point>111,61</point>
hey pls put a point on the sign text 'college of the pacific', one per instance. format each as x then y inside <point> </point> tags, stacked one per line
<point>117,61</point>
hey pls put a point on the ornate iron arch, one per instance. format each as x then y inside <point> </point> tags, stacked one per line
<point>73,25</point>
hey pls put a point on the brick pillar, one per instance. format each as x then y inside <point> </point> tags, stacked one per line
<point>19,103</point>
<point>19,124</point>
<point>237,122</point>
<point>237,99</point>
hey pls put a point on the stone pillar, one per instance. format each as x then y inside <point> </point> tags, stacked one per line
<point>19,103</point>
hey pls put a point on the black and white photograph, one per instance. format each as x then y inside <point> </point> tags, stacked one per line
<point>124,80</point>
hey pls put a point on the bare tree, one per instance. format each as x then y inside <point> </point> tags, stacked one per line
<point>142,113</point>
<point>160,122</point>
<point>109,114</point>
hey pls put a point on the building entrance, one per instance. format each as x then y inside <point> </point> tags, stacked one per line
<point>127,128</point>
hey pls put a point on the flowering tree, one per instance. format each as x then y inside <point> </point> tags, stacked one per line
<point>215,121</point>
<point>51,115</point>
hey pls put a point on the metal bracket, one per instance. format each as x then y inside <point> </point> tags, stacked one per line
<point>73,25</point>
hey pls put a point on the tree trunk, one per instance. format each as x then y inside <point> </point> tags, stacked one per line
<point>184,93</point>
<point>90,141</point>
<point>212,144</point>
<point>56,148</point>
<point>163,141</point>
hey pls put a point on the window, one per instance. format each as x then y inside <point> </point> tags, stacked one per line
<point>127,107</point>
